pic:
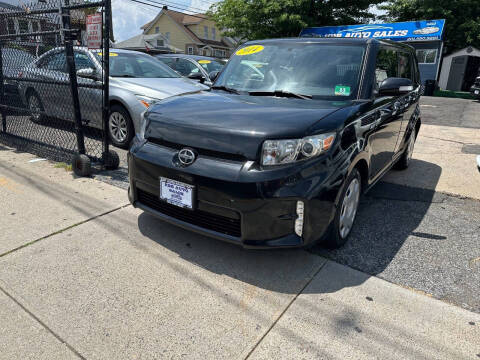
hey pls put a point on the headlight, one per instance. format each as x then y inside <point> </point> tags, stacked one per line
<point>146,101</point>
<point>277,152</point>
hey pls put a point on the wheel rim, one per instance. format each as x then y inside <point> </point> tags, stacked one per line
<point>349,208</point>
<point>118,127</point>
<point>411,146</point>
<point>35,108</point>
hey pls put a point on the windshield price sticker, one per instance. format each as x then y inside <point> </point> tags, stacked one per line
<point>111,54</point>
<point>249,50</point>
<point>204,61</point>
<point>342,90</point>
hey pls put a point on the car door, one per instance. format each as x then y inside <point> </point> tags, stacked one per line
<point>409,101</point>
<point>89,92</point>
<point>388,112</point>
<point>53,89</point>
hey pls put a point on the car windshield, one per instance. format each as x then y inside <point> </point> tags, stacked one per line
<point>313,70</point>
<point>211,65</point>
<point>131,65</point>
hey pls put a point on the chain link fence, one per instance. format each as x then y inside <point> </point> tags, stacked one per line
<point>53,88</point>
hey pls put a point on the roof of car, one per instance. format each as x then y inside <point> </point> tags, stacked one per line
<point>185,56</point>
<point>306,39</point>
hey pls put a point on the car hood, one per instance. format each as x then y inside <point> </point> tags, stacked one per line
<point>234,124</point>
<point>158,88</point>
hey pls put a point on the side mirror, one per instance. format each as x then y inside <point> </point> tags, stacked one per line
<point>88,73</point>
<point>213,75</point>
<point>197,76</point>
<point>395,86</point>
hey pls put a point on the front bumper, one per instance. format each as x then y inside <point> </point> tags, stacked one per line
<point>249,207</point>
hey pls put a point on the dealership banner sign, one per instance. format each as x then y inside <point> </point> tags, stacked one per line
<point>423,30</point>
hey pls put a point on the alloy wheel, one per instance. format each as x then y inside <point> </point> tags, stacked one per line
<point>118,127</point>
<point>35,108</point>
<point>349,208</point>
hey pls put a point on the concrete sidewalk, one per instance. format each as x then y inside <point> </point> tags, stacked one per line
<point>111,282</point>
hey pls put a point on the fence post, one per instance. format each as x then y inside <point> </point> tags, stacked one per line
<point>73,77</point>
<point>2,92</point>
<point>106,79</point>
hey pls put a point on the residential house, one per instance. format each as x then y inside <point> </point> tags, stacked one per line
<point>192,34</point>
<point>156,44</point>
<point>24,24</point>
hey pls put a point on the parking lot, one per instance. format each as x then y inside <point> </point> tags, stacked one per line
<point>84,275</point>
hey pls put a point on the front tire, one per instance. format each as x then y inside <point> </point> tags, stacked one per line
<point>404,161</point>
<point>36,108</point>
<point>120,127</point>
<point>342,225</point>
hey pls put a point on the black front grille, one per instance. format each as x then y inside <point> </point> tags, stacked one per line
<point>204,152</point>
<point>206,220</point>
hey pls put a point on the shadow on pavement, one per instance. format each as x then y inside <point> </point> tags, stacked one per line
<point>388,215</point>
<point>381,228</point>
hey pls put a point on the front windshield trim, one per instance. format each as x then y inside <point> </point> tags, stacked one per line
<point>353,62</point>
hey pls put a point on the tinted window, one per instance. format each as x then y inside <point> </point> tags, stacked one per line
<point>405,66</point>
<point>386,66</point>
<point>82,61</point>
<point>54,62</point>
<point>137,65</point>
<point>185,67</point>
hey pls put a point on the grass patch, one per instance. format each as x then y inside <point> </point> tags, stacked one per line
<point>62,165</point>
<point>453,94</point>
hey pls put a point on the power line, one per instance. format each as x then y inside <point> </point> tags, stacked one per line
<point>159,6</point>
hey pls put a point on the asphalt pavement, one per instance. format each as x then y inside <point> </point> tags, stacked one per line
<point>419,228</point>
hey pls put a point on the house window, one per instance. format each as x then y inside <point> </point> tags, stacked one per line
<point>10,26</point>
<point>205,32</point>
<point>167,36</point>
<point>160,43</point>
<point>190,50</point>
<point>23,26</point>
<point>214,35</point>
<point>220,53</point>
<point>427,56</point>
<point>157,30</point>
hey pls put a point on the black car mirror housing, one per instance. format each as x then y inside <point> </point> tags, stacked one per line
<point>197,76</point>
<point>213,75</point>
<point>395,86</point>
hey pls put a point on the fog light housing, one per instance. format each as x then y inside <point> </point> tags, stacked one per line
<point>299,221</point>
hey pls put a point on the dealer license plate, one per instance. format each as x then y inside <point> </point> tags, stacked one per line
<point>477,92</point>
<point>176,193</point>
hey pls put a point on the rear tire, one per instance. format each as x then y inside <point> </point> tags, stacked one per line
<point>404,161</point>
<point>120,127</point>
<point>341,227</point>
<point>36,108</point>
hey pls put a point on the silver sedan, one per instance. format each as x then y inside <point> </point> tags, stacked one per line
<point>137,80</point>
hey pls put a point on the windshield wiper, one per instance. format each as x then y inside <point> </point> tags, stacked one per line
<point>225,88</point>
<point>125,76</point>
<point>280,93</point>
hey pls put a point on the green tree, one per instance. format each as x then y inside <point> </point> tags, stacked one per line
<point>462,27</point>
<point>257,19</point>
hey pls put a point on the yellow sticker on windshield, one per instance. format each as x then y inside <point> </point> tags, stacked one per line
<point>111,54</point>
<point>249,50</point>
<point>204,61</point>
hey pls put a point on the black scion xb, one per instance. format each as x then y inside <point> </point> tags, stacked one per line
<point>280,149</point>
